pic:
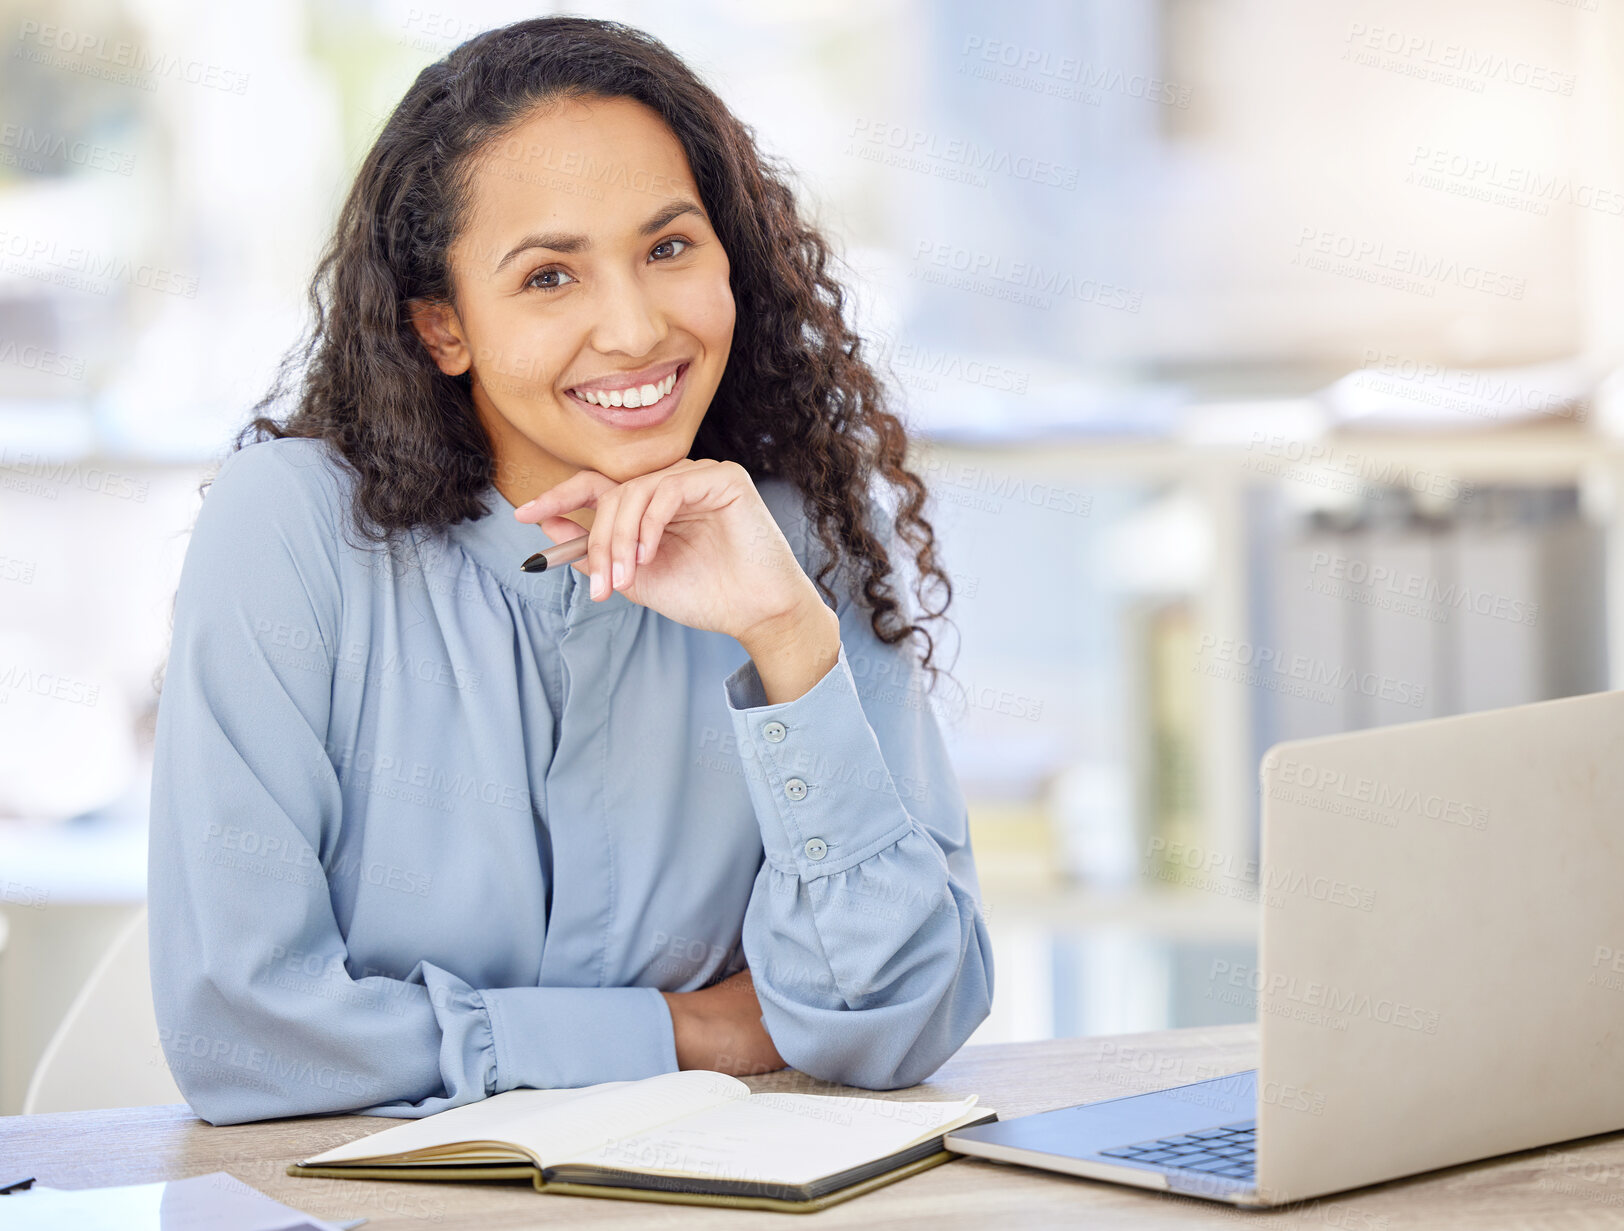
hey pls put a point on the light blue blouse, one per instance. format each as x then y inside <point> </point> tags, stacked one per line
<point>426,828</point>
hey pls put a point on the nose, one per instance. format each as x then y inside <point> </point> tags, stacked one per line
<point>627,319</point>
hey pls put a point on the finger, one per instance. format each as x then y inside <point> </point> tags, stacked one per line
<point>701,487</point>
<point>560,529</point>
<point>597,547</point>
<point>580,491</point>
<point>664,505</point>
<point>623,541</point>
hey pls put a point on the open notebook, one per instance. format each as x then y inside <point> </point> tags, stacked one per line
<point>691,1136</point>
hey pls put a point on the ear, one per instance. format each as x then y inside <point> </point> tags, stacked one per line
<point>437,325</point>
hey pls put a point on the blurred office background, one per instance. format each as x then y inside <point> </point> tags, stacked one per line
<point>1261,358</point>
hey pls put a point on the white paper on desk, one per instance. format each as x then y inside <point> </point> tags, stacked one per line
<point>527,1118</point>
<point>214,1202</point>
<point>780,1138</point>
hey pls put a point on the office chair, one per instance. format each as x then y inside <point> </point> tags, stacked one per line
<point>106,1053</point>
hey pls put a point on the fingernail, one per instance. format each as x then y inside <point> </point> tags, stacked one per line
<point>642,557</point>
<point>617,571</point>
<point>597,585</point>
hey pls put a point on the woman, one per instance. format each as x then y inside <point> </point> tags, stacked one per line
<point>426,827</point>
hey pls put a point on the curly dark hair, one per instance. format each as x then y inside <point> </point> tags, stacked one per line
<point>797,398</point>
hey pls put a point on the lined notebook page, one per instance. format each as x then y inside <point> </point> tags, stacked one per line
<point>552,1123</point>
<point>785,1138</point>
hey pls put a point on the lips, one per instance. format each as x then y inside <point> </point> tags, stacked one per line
<point>642,416</point>
<point>630,390</point>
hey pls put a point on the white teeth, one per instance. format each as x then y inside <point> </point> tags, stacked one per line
<point>631,399</point>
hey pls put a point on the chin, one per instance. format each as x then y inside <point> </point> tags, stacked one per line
<point>632,460</point>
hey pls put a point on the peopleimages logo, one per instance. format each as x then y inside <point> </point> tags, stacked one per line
<point>1235,876</point>
<point>1043,62</point>
<point>918,149</point>
<point>1382,586</point>
<point>1381,795</point>
<point>1422,56</point>
<point>1403,268</point>
<point>1274,992</point>
<point>1265,666</point>
<point>957,481</point>
<point>1485,395</point>
<point>991,273</point>
<point>1292,458</point>
<point>1607,968</point>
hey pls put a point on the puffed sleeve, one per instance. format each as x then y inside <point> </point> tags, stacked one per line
<point>246,807</point>
<point>864,933</point>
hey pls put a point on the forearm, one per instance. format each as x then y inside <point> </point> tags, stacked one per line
<point>245,1049</point>
<point>720,1028</point>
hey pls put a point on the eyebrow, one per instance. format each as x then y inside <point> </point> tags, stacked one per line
<point>559,241</point>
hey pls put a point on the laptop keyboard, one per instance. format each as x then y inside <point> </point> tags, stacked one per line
<point>1229,1150</point>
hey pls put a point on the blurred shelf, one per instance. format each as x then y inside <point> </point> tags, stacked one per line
<point>1533,453</point>
<point>1527,452</point>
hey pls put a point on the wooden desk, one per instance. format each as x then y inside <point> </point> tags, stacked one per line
<point>1577,1186</point>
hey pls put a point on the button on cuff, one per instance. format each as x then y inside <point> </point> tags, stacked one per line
<point>829,726</point>
<point>816,848</point>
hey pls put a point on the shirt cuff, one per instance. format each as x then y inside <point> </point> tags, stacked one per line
<point>823,793</point>
<point>467,1052</point>
<point>550,1038</point>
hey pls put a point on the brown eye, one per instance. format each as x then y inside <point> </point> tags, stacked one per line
<point>551,272</point>
<point>666,243</point>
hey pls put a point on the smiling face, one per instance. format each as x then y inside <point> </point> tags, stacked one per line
<point>593,303</point>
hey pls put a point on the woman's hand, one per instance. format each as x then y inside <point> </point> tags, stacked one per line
<point>719,1028</point>
<point>693,541</point>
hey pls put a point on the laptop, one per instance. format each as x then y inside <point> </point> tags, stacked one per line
<point>1440,972</point>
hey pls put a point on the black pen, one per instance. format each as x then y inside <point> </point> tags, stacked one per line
<point>567,552</point>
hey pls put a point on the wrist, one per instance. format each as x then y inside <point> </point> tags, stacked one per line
<point>693,1026</point>
<point>768,635</point>
<point>793,655</point>
<point>680,1027</point>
